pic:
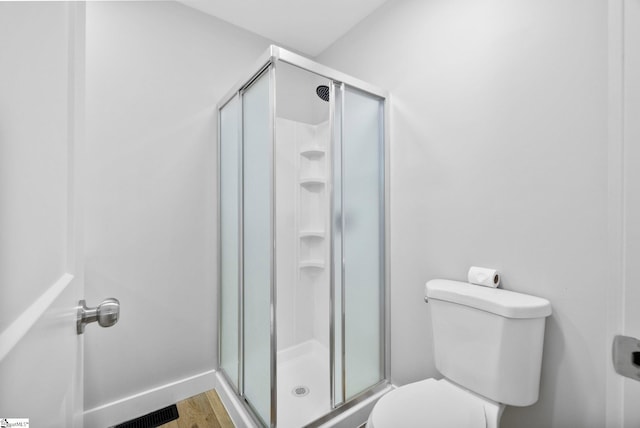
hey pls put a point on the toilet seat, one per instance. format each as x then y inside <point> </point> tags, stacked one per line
<point>434,403</point>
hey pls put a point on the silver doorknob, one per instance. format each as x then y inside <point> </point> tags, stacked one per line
<point>106,313</point>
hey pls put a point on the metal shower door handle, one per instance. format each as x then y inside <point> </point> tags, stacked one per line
<point>106,313</point>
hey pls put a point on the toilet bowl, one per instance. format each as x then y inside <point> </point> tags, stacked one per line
<point>488,346</point>
<point>437,404</point>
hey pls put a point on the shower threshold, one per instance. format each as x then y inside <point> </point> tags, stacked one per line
<point>353,414</point>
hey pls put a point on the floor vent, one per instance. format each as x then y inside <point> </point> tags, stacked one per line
<point>153,419</point>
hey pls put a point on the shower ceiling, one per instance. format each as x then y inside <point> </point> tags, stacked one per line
<point>308,26</point>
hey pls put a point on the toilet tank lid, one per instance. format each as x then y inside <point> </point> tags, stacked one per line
<point>508,304</point>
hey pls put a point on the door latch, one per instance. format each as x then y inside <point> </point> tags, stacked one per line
<point>626,356</point>
<point>106,313</point>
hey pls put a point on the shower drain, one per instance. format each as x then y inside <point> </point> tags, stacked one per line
<point>300,391</point>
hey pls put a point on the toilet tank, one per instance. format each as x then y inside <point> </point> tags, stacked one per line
<point>488,340</point>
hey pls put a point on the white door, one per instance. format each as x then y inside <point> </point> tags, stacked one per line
<point>631,318</point>
<point>41,278</point>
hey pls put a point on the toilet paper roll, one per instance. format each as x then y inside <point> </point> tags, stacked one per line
<point>484,276</point>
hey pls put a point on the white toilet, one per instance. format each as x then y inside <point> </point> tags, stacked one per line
<point>487,345</point>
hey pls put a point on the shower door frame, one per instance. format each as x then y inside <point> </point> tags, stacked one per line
<point>267,64</point>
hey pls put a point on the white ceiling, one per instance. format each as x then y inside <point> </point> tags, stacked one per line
<point>308,26</point>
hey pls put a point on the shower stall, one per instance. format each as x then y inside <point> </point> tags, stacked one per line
<point>303,297</point>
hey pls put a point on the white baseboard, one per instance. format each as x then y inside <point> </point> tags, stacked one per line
<point>140,404</point>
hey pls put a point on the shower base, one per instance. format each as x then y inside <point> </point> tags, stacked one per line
<point>303,384</point>
<point>306,364</point>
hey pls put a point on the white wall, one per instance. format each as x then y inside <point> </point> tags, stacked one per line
<point>291,329</point>
<point>155,72</point>
<point>296,95</point>
<point>498,159</point>
<point>302,293</point>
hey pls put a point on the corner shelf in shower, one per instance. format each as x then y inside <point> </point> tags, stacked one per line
<point>312,182</point>
<point>312,152</point>
<point>311,234</point>
<point>312,264</point>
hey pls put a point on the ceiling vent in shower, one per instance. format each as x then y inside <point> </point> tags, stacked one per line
<point>323,92</point>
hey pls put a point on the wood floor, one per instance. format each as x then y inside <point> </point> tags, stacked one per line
<point>201,411</point>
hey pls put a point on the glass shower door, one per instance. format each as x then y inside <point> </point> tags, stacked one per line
<point>359,179</point>
<point>229,162</point>
<point>258,247</point>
